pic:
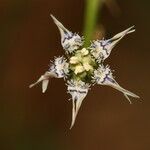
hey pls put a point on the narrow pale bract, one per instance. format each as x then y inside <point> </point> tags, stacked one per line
<point>83,67</point>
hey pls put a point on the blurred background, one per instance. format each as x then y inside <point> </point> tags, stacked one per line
<point>30,120</point>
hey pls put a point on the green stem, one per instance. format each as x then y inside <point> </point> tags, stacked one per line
<point>91,13</point>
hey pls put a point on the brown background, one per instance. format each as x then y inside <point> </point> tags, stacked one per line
<point>30,120</point>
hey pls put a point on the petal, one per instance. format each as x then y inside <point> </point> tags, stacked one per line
<point>103,76</point>
<point>78,91</point>
<point>70,41</point>
<point>101,49</point>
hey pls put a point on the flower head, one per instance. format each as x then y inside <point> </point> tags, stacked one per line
<point>83,67</point>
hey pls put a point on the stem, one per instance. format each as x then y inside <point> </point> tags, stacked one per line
<point>91,14</point>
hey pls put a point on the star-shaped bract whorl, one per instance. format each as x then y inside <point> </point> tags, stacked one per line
<point>83,67</point>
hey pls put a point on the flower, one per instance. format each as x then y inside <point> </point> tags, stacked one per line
<point>83,67</point>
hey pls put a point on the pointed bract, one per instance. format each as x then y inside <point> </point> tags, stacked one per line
<point>44,79</point>
<point>58,69</point>
<point>103,76</point>
<point>44,85</point>
<point>70,41</point>
<point>78,91</point>
<point>101,49</point>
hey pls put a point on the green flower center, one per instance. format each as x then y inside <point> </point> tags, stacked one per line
<point>82,65</point>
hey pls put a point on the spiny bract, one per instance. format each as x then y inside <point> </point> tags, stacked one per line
<point>83,67</point>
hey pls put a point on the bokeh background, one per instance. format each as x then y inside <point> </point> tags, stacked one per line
<point>30,120</point>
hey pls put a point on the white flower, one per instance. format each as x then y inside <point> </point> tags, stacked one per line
<point>83,67</point>
<point>74,60</point>
<point>79,69</point>
<point>84,52</point>
<point>87,66</point>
